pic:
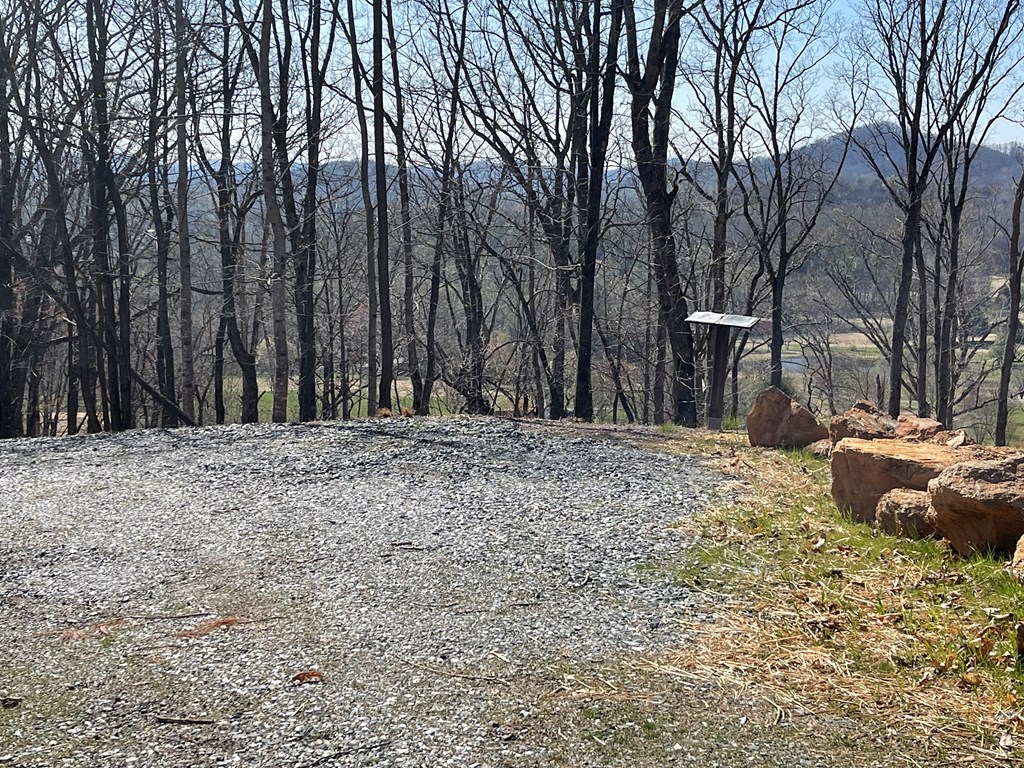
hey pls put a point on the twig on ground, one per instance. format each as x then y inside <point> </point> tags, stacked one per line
<point>350,751</point>
<point>436,605</point>
<point>224,623</point>
<point>582,584</point>
<point>407,546</point>
<point>460,675</point>
<point>184,720</point>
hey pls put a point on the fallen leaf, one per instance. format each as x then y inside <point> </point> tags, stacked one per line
<point>99,629</point>
<point>971,679</point>
<point>211,626</point>
<point>998,617</point>
<point>309,676</point>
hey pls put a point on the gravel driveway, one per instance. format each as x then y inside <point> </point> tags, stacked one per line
<point>388,593</point>
<point>454,593</point>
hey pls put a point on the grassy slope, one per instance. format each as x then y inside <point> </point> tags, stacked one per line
<point>824,617</point>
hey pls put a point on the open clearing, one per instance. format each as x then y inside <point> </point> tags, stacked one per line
<point>408,592</point>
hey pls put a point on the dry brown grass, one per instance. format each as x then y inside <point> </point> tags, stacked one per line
<point>822,616</point>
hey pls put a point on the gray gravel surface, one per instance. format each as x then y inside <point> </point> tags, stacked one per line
<point>391,593</point>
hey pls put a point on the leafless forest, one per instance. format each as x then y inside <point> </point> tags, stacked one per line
<point>222,210</point>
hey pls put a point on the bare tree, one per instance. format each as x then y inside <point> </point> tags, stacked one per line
<point>652,84</point>
<point>721,36</point>
<point>317,49</point>
<point>592,120</point>
<point>232,208</point>
<point>903,42</point>
<point>535,120</point>
<point>387,353</point>
<point>787,176</point>
<point>1015,269</point>
<point>984,106</point>
<point>372,296</point>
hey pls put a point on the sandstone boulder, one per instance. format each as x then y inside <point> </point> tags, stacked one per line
<point>1017,563</point>
<point>954,438</point>
<point>777,421</point>
<point>864,470</point>
<point>903,512</point>
<point>821,448</point>
<point>865,421</point>
<point>979,505</point>
<point>910,427</point>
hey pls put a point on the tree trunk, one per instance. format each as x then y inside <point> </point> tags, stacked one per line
<point>219,408</point>
<point>923,407</point>
<point>911,233</point>
<point>408,295</point>
<point>274,221</point>
<point>601,91</point>
<point>470,380</point>
<point>343,380</point>
<point>10,399</point>
<point>72,372</point>
<point>124,311</point>
<point>650,141</point>
<point>229,238</point>
<point>1009,351</point>
<point>368,215</point>
<point>181,184</point>
<point>660,365</point>
<point>161,240</point>
<point>719,343</point>
<point>387,355</point>
<point>99,160</point>
<point>306,258</point>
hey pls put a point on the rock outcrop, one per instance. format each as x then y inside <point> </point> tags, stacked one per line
<point>979,505</point>
<point>864,421</point>
<point>910,427</point>
<point>903,512</point>
<point>867,421</point>
<point>913,478</point>
<point>954,438</point>
<point>777,421</point>
<point>821,448</point>
<point>1017,563</point>
<point>865,470</point>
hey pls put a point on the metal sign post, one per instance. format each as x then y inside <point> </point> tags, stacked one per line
<point>721,321</point>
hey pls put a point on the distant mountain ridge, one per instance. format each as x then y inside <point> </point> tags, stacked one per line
<point>991,166</point>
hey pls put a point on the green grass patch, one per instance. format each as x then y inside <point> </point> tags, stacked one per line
<point>894,604</point>
<point>845,617</point>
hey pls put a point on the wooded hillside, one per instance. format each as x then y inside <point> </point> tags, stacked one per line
<point>224,210</point>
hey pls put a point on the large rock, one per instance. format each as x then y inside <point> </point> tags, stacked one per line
<point>865,421</point>
<point>910,427</point>
<point>864,470</point>
<point>903,512</point>
<point>821,448</point>
<point>777,421</point>
<point>1017,563</point>
<point>954,438</point>
<point>979,505</point>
